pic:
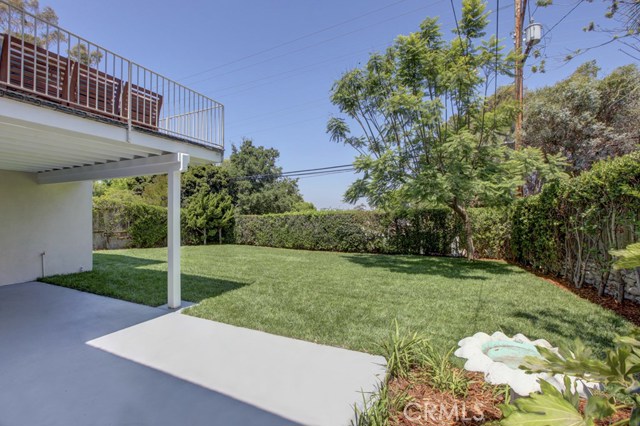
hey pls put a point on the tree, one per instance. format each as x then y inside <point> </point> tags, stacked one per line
<point>208,212</point>
<point>584,118</point>
<point>429,134</point>
<point>36,31</point>
<point>256,182</point>
<point>211,178</point>
<point>41,30</point>
<point>80,52</point>
<point>625,15</point>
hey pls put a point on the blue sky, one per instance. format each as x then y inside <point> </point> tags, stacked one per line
<point>272,62</point>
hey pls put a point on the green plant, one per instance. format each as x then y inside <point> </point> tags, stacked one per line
<point>428,132</point>
<point>405,352</point>
<point>407,231</point>
<point>442,375</point>
<point>554,408</point>
<point>628,258</point>
<point>375,408</point>
<point>618,371</point>
<point>209,212</point>
<point>572,225</point>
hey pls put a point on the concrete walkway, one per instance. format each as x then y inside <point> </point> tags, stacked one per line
<point>142,366</point>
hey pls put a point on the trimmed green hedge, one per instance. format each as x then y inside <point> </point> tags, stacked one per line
<point>145,225</point>
<point>428,232</point>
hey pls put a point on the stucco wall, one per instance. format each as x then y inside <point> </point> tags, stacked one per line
<point>54,219</point>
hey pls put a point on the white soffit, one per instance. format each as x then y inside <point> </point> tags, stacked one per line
<point>137,167</point>
<point>37,139</point>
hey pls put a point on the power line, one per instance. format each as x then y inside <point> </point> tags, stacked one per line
<point>320,171</point>
<point>284,75</point>
<point>565,16</point>
<point>320,168</point>
<point>315,44</point>
<point>294,40</point>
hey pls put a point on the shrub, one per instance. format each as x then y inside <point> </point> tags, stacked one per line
<point>145,225</point>
<point>148,225</point>
<point>426,231</point>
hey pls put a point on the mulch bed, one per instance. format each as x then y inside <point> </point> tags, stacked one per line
<point>431,407</point>
<point>629,310</point>
<point>427,406</point>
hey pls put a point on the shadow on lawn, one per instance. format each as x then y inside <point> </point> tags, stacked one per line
<point>448,267</point>
<point>125,277</point>
<point>569,326</point>
<point>104,258</point>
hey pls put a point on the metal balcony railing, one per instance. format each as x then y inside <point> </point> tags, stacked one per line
<point>43,61</point>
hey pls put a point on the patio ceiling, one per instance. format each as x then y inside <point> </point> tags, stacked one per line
<point>36,139</point>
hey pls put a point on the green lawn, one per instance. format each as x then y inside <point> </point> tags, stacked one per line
<point>351,300</point>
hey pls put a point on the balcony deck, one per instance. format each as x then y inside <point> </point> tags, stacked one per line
<point>67,102</point>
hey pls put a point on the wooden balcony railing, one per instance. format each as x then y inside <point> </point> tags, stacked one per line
<point>71,71</point>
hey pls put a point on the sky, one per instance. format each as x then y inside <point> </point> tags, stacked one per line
<point>272,62</point>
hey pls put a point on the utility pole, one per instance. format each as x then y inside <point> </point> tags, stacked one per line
<point>531,36</point>
<point>520,7</point>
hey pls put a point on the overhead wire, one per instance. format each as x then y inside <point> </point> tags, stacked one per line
<point>565,16</point>
<point>286,43</point>
<point>319,171</point>
<point>314,44</point>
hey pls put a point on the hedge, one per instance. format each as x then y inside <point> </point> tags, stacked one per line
<point>145,225</point>
<point>570,227</point>
<point>141,225</point>
<point>566,230</point>
<point>427,232</point>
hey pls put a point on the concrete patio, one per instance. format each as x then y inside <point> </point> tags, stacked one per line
<point>73,358</point>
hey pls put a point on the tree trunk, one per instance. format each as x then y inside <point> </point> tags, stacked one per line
<point>219,235</point>
<point>603,283</point>
<point>468,229</point>
<point>621,287</point>
<point>204,237</point>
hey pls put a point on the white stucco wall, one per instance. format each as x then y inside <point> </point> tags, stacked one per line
<point>55,219</point>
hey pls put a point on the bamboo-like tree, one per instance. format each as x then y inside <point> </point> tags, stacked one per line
<point>429,132</point>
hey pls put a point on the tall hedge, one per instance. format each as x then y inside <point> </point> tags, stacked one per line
<point>570,227</point>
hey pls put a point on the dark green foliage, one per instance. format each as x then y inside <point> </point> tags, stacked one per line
<point>576,222</point>
<point>428,134</point>
<point>256,184</point>
<point>346,231</point>
<point>209,213</point>
<point>585,118</point>
<point>146,225</point>
<point>427,231</point>
<point>491,232</point>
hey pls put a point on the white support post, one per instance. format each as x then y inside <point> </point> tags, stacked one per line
<point>173,240</point>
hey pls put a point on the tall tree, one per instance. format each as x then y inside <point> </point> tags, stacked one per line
<point>584,118</point>
<point>256,182</point>
<point>208,178</point>
<point>428,135</point>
